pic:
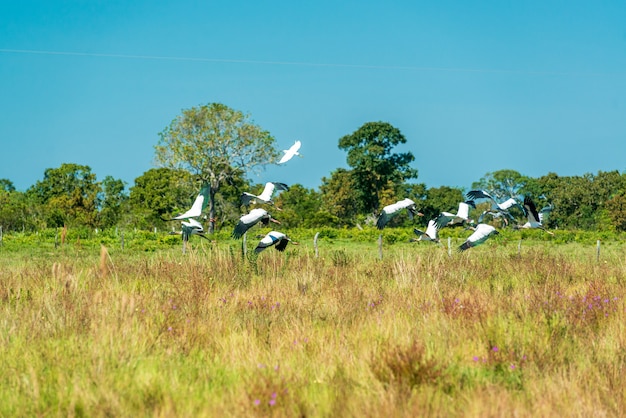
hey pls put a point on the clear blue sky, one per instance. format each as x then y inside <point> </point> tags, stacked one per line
<point>534,86</point>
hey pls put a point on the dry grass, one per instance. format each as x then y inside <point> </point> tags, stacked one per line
<point>484,333</point>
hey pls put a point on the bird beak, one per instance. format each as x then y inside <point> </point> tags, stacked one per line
<point>277,208</point>
<point>275,221</point>
<point>295,243</point>
<point>419,214</point>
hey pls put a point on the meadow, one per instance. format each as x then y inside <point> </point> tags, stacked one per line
<point>91,329</point>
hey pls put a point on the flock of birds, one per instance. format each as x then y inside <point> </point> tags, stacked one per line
<point>481,230</point>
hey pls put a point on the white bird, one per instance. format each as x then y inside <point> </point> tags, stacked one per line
<point>481,233</point>
<point>289,153</point>
<point>431,234</point>
<point>451,219</point>
<point>392,210</point>
<point>504,206</point>
<point>191,227</point>
<point>265,196</point>
<point>278,239</point>
<point>533,217</point>
<point>198,205</point>
<point>247,221</point>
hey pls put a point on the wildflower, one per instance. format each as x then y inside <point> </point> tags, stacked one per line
<point>272,402</point>
<point>274,395</point>
<point>495,349</point>
<point>169,328</point>
<point>476,358</point>
<point>512,366</point>
<point>257,402</point>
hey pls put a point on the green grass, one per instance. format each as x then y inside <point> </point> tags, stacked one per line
<point>148,331</point>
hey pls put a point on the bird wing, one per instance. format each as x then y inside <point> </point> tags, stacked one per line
<point>247,221</point>
<point>531,210</point>
<point>463,211</point>
<point>508,204</point>
<point>478,194</point>
<point>268,240</point>
<point>266,195</point>
<point>282,244</point>
<point>443,219</point>
<point>246,198</point>
<point>432,230</point>
<point>480,235</point>
<point>198,205</point>
<point>383,219</point>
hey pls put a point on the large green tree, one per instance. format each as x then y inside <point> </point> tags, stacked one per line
<point>113,200</point>
<point>161,192</point>
<point>69,195</point>
<point>502,184</point>
<point>216,144</point>
<point>373,162</point>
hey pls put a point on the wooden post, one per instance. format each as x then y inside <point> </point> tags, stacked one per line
<point>122,241</point>
<point>598,251</point>
<point>56,238</point>
<point>519,248</point>
<point>317,234</point>
<point>184,246</point>
<point>0,235</point>
<point>380,246</point>
<point>449,247</point>
<point>244,246</point>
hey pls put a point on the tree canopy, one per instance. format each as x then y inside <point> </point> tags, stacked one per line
<point>216,144</point>
<point>375,165</point>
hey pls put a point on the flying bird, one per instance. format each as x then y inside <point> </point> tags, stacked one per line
<point>461,216</point>
<point>431,234</point>
<point>278,239</point>
<point>247,221</point>
<point>265,196</point>
<point>534,218</point>
<point>481,233</point>
<point>504,206</point>
<point>289,153</point>
<point>392,210</point>
<point>191,227</point>
<point>198,205</point>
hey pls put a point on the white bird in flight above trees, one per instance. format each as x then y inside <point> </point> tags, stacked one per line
<point>392,210</point>
<point>247,221</point>
<point>482,232</point>
<point>276,238</point>
<point>289,153</point>
<point>265,196</point>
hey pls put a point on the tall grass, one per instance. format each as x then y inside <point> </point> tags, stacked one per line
<point>94,331</point>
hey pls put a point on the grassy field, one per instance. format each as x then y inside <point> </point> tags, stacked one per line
<point>89,331</point>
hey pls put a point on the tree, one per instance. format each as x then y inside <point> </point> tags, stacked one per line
<point>338,197</point>
<point>440,199</point>
<point>216,144</point>
<point>6,185</point>
<point>502,184</point>
<point>301,208</point>
<point>69,195</point>
<point>374,164</point>
<point>160,192</point>
<point>112,199</point>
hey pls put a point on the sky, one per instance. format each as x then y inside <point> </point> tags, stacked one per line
<point>475,87</point>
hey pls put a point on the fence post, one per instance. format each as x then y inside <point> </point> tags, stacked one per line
<point>317,234</point>
<point>56,238</point>
<point>598,251</point>
<point>122,240</point>
<point>519,247</point>
<point>449,246</point>
<point>244,246</point>
<point>0,235</point>
<point>380,246</point>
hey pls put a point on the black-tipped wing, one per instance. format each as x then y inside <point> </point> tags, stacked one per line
<point>478,194</point>
<point>531,210</point>
<point>282,244</point>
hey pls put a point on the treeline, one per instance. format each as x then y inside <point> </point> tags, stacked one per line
<point>72,195</point>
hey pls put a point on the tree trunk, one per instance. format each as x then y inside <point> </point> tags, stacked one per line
<point>212,211</point>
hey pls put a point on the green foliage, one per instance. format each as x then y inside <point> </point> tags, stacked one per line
<point>216,144</point>
<point>69,195</point>
<point>440,199</point>
<point>339,198</point>
<point>161,192</point>
<point>502,184</point>
<point>374,164</point>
